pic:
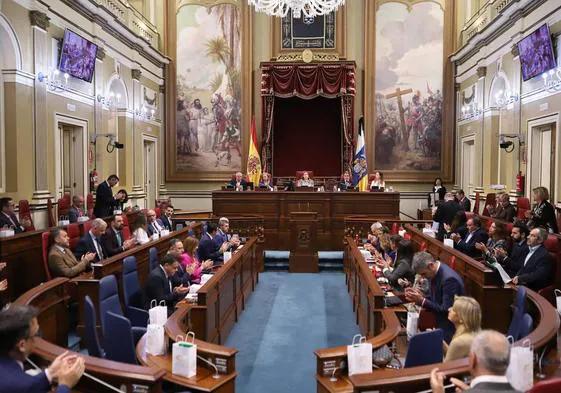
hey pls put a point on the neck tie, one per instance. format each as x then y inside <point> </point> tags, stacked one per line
<point>99,249</point>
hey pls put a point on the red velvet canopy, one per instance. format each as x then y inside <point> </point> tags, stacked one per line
<point>307,81</point>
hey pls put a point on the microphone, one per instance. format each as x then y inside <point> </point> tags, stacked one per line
<point>216,375</point>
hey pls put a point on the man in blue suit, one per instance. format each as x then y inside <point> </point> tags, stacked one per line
<point>445,285</point>
<point>474,235</point>
<point>18,329</point>
<point>91,242</point>
<point>223,235</point>
<point>155,225</point>
<point>536,269</point>
<point>208,248</point>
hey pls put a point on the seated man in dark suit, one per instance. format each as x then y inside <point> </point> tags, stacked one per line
<point>62,263</point>
<point>223,235</point>
<point>91,241</point>
<point>346,182</point>
<point>154,223</point>
<point>474,235</point>
<point>464,201</point>
<point>266,181</point>
<point>77,209</point>
<point>8,217</point>
<point>18,328</point>
<point>445,284</point>
<point>160,284</point>
<point>513,261</point>
<point>166,218</point>
<point>504,211</point>
<point>238,182</point>
<point>535,272</point>
<point>445,213</point>
<point>182,275</point>
<point>208,248</point>
<point>489,357</point>
<point>105,203</point>
<point>113,241</point>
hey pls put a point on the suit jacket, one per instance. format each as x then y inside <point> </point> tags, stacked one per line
<point>514,262</point>
<point>158,287</point>
<point>5,221</point>
<point>507,213</point>
<point>491,387</point>
<point>544,216</point>
<point>110,243</point>
<point>444,286</point>
<point>468,247</point>
<point>104,201</point>
<point>15,380</point>
<point>86,244</point>
<point>152,228</point>
<point>166,222</point>
<point>444,214</point>
<point>536,273</point>
<point>465,204</point>
<point>402,269</point>
<point>345,186</point>
<point>64,263</point>
<point>441,191</point>
<point>221,237</point>
<point>209,249</point>
<point>233,183</point>
<point>74,213</point>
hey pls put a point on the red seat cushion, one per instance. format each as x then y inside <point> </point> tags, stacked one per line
<point>523,205</point>
<point>73,231</point>
<point>87,226</point>
<point>126,232</point>
<point>25,212</point>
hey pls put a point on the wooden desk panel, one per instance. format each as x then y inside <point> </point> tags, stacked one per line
<point>331,207</point>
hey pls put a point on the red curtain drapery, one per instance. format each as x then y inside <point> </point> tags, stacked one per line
<point>307,81</point>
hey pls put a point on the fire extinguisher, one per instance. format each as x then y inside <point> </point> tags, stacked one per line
<point>520,183</point>
<point>93,180</point>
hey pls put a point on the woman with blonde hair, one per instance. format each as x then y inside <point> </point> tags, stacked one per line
<point>543,213</point>
<point>190,262</point>
<point>465,314</point>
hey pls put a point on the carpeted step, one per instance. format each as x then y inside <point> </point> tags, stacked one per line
<point>279,260</point>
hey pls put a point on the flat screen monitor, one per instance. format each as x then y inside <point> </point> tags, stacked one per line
<point>536,53</point>
<point>77,56</point>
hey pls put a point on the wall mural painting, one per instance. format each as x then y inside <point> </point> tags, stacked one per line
<point>408,91</point>
<point>208,115</point>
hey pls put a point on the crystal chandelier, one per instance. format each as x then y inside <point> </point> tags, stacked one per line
<point>310,8</point>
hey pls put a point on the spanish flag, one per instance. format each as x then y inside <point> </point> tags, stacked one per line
<point>360,167</point>
<point>253,159</point>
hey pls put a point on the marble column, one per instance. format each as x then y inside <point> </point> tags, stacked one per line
<point>138,191</point>
<point>162,141</point>
<point>40,42</point>
<point>98,110</point>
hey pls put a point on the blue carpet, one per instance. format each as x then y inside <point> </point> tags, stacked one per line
<point>287,318</point>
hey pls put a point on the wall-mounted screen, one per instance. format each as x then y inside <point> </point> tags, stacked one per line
<point>536,53</point>
<point>77,57</point>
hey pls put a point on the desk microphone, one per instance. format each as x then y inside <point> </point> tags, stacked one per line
<point>216,375</point>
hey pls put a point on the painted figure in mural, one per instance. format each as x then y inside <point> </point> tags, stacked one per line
<point>182,124</point>
<point>195,112</point>
<point>414,122</point>
<point>385,141</point>
<point>207,128</point>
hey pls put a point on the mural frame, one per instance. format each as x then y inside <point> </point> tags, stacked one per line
<point>170,44</point>
<point>448,90</point>
<point>320,54</point>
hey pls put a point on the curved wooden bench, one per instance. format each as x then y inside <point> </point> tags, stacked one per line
<point>51,299</point>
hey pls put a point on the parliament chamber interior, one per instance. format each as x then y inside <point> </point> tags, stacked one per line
<point>280,196</point>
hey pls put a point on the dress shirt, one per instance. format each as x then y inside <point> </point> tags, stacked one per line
<point>46,371</point>
<point>530,252</point>
<point>167,278</point>
<point>469,237</point>
<point>488,378</point>
<point>157,226</point>
<point>60,248</point>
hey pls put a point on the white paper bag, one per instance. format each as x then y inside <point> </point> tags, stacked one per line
<point>7,232</point>
<point>520,372</point>
<point>155,340</point>
<point>63,221</point>
<point>194,288</point>
<point>184,357</point>
<point>83,219</point>
<point>164,232</point>
<point>401,232</point>
<point>158,314</point>
<point>359,356</point>
<point>227,256</point>
<point>412,323</point>
<point>449,242</point>
<point>558,300</point>
<point>155,236</point>
<point>205,278</point>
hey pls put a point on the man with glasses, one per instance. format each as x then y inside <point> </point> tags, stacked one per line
<point>8,217</point>
<point>18,329</point>
<point>154,224</point>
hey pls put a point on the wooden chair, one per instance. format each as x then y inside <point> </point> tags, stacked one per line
<point>25,212</point>
<point>523,205</point>
<point>299,174</point>
<point>476,203</point>
<point>45,245</point>
<point>64,204</point>
<point>90,205</point>
<point>73,231</point>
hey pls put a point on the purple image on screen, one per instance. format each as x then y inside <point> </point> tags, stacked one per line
<point>536,53</point>
<point>77,56</point>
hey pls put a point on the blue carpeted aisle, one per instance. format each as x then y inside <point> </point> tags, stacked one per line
<point>286,319</point>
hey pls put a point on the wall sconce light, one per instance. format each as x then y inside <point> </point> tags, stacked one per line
<point>504,99</point>
<point>552,80</point>
<point>53,81</point>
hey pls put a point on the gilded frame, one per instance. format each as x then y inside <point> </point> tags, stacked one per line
<point>334,54</point>
<point>448,86</point>
<point>170,44</point>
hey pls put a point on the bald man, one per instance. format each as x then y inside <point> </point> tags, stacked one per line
<point>155,225</point>
<point>91,242</point>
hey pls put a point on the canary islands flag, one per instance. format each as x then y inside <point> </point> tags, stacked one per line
<point>360,168</point>
<point>253,159</point>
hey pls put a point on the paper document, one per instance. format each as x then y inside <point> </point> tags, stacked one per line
<point>504,275</point>
<point>205,278</point>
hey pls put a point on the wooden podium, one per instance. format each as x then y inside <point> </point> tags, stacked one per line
<point>303,242</point>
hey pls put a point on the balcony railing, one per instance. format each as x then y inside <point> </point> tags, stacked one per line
<point>483,17</point>
<point>133,19</point>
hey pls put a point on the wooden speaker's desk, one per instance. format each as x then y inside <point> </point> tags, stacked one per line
<point>331,208</point>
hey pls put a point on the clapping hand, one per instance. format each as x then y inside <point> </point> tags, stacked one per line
<point>3,265</point>
<point>191,268</point>
<point>3,285</point>
<point>500,252</point>
<point>224,246</point>
<point>528,214</point>
<point>456,237</point>
<point>413,295</point>
<point>181,290</point>
<point>437,381</point>
<point>447,227</point>
<point>207,264</point>
<point>88,257</point>
<point>72,371</point>
<point>129,243</point>
<point>481,247</point>
<point>403,282</point>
